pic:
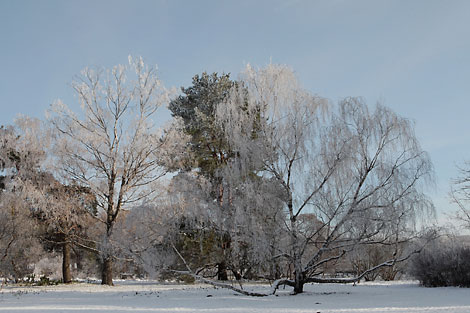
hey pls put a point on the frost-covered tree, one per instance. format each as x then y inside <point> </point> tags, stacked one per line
<point>359,172</point>
<point>21,159</point>
<point>20,247</point>
<point>196,108</point>
<point>112,147</point>
<point>244,223</point>
<point>460,193</point>
<point>64,214</point>
<point>22,148</point>
<point>209,151</point>
<point>54,211</point>
<point>445,262</point>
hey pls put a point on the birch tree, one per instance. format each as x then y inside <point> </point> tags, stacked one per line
<point>112,147</point>
<point>359,172</point>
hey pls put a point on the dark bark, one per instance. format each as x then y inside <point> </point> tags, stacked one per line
<point>222,271</point>
<point>237,275</point>
<point>299,287</point>
<point>107,272</point>
<point>223,285</point>
<point>66,274</point>
<point>297,255</point>
<point>299,282</point>
<point>111,214</point>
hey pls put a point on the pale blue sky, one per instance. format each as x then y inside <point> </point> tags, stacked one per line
<point>414,56</point>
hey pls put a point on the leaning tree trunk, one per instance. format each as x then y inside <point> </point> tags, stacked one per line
<point>66,274</point>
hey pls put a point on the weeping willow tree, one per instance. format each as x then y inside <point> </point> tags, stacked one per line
<point>359,172</point>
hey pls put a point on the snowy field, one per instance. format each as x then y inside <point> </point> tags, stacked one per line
<point>153,297</point>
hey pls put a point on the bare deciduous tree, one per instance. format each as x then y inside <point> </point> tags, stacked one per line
<point>112,147</point>
<point>460,193</point>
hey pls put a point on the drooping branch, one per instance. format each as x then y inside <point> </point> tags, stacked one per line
<point>211,282</point>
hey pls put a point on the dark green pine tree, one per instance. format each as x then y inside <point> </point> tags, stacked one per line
<point>210,150</point>
<point>197,108</point>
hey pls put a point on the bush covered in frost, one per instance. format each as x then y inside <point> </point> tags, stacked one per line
<point>443,264</point>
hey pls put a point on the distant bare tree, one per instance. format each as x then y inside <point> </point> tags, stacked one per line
<point>460,193</point>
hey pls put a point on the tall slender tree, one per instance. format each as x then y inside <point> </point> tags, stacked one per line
<point>209,148</point>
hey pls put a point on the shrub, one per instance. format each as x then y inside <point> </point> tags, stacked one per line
<point>443,264</point>
<point>46,281</point>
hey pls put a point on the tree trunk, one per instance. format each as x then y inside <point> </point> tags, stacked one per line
<point>298,283</point>
<point>66,275</point>
<point>222,271</point>
<point>237,275</point>
<point>297,250</point>
<point>107,272</point>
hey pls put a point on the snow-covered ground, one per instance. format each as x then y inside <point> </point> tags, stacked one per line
<point>154,297</point>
